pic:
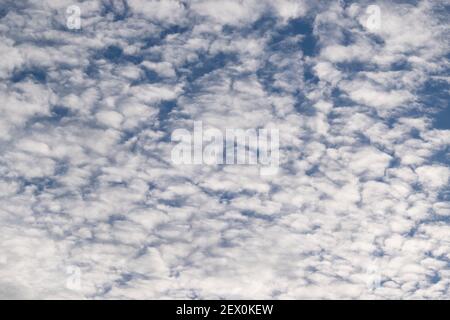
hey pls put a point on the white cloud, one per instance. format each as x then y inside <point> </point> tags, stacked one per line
<point>433,176</point>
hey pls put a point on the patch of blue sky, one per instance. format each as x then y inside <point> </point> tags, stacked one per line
<point>41,184</point>
<point>3,11</point>
<point>115,55</point>
<point>118,9</point>
<point>34,73</point>
<point>434,95</point>
<point>207,64</point>
<point>57,114</point>
<point>304,27</point>
<point>157,39</point>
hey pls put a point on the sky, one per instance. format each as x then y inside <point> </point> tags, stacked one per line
<point>92,207</point>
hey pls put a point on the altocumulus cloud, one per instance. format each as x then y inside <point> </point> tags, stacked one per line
<point>87,182</point>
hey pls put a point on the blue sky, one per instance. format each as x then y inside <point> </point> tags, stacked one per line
<point>358,210</point>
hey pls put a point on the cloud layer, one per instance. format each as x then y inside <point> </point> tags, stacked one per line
<point>87,182</point>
